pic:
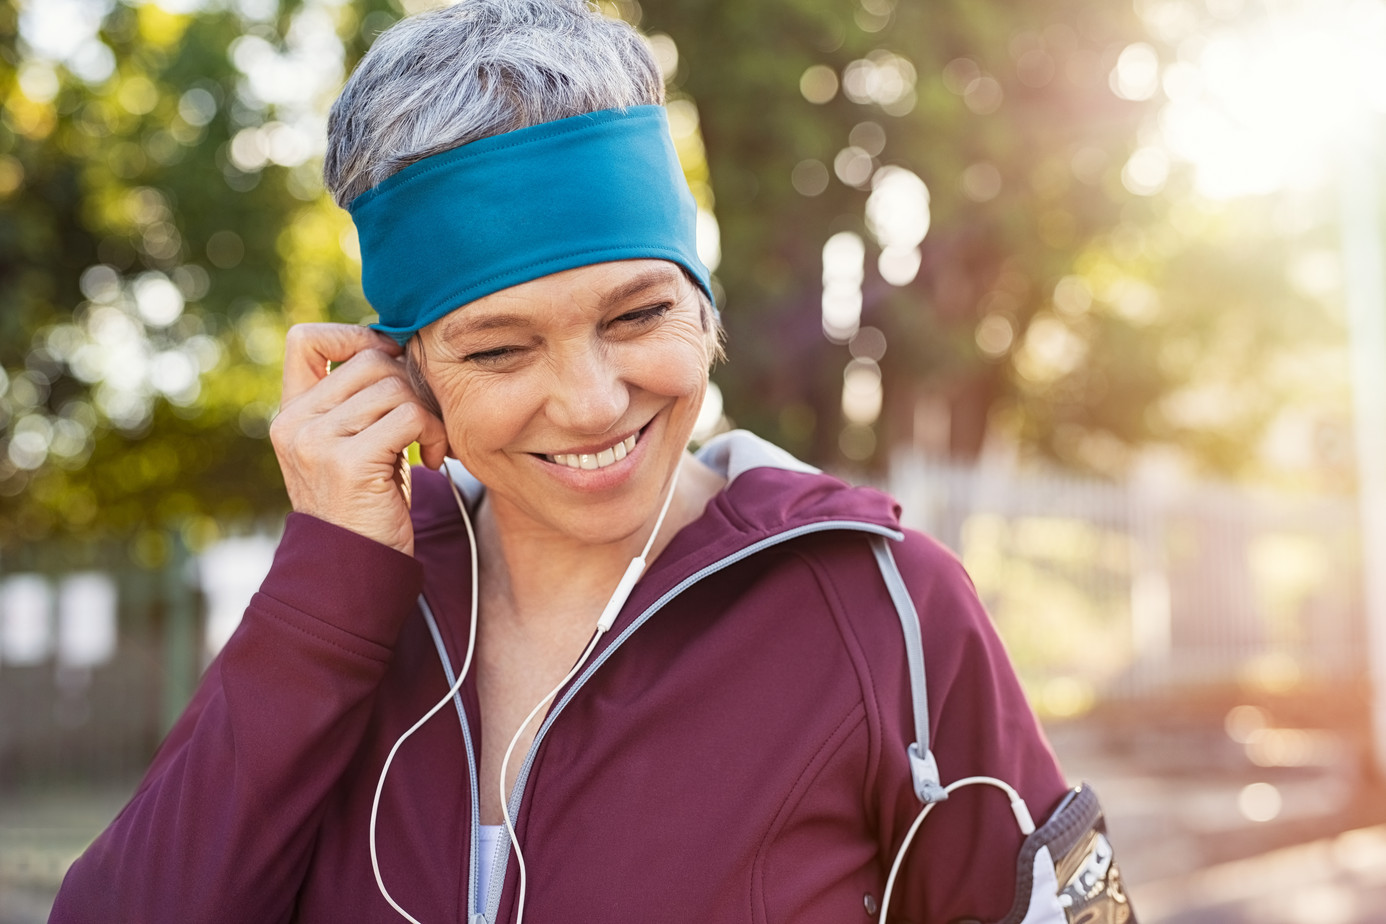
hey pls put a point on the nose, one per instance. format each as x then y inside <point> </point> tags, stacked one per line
<point>589,395</point>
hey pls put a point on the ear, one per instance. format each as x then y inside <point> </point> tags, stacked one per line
<point>714,335</point>
<point>416,366</point>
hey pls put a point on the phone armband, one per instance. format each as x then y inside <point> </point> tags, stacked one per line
<point>1066,872</point>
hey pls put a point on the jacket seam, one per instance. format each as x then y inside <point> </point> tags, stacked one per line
<point>836,739</point>
<point>734,516</point>
<point>269,613</point>
<point>870,695</point>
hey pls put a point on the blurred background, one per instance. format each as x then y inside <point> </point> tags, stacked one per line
<point>1095,287</point>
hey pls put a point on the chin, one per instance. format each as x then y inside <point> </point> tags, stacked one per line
<point>597,526</point>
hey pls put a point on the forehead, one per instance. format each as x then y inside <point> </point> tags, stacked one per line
<point>592,288</point>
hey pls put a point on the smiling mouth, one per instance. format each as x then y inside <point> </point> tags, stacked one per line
<point>591,461</point>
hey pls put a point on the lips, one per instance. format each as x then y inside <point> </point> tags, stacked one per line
<point>591,461</point>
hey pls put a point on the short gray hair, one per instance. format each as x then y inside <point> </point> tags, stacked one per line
<point>479,68</point>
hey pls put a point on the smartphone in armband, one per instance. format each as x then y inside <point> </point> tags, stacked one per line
<point>1066,872</point>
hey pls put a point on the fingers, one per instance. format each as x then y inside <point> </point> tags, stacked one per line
<point>361,405</point>
<point>378,375</point>
<point>345,466</point>
<point>433,443</point>
<point>390,413</point>
<point>410,423</point>
<point>351,401</point>
<point>309,348</point>
<point>339,437</point>
<point>381,419</point>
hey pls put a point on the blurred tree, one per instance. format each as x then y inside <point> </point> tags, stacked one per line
<point>1056,302</point>
<point>1208,332</point>
<point>1002,109</point>
<point>162,222</point>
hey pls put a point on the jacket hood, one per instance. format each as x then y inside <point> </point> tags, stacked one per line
<point>770,489</point>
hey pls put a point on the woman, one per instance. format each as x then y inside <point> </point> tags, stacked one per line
<point>688,696</point>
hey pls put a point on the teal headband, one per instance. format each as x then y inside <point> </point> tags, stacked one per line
<point>514,207</point>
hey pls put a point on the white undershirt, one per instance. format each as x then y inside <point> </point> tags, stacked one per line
<point>487,839</point>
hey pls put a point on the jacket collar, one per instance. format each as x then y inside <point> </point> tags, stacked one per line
<point>769,490</point>
<point>770,496</point>
<point>767,487</point>
<point>737,452</point>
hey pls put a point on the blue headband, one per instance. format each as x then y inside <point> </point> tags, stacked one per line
<point>514,207</point>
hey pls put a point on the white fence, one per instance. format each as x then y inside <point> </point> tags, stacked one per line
<point>1111,592</point>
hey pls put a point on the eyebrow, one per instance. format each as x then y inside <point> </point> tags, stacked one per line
<point>651,278</point>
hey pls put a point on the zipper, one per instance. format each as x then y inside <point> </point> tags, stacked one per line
<point>502,859</point>
<point>471,758</point>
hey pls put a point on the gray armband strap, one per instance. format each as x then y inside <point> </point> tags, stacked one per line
<point>923,768</point>
<point>1065,873</point>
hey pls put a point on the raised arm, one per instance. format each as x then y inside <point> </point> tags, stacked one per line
<point>223,825</point>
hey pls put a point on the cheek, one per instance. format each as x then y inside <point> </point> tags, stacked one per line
<point>481,414</point>
<point>485,412</point>
<point>677,371</point>
<point>677,364</point>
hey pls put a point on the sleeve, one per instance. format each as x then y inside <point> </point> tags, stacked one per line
<point>223,824</point>
<point>962,865</point>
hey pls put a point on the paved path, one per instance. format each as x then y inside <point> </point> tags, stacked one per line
<point>1338,880</point>
<point>40,836</point>
<point>1191,855</point>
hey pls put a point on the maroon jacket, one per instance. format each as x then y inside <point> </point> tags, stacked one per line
<point>735,750</point>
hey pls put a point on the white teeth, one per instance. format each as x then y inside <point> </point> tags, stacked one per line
<point>592,461</point>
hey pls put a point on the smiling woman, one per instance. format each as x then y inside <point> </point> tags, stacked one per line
<point>645,685</point>
<point>544,383</point>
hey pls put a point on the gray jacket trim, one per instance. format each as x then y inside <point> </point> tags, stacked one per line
<point>923,768</point>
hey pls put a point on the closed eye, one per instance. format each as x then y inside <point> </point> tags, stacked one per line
<point>630,323</point>
<point>491,357</point>
<point>644,316</point>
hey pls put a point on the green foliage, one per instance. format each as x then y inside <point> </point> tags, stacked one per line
<point>1051,299</point>
<point>162,223</point>
<point>1009,92</point>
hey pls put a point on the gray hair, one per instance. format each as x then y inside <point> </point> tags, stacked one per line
<point>479,68</point>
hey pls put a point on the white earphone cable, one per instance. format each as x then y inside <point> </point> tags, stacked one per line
<point>613,606</point>
<point>1018,808</point>
<point>457,685</point>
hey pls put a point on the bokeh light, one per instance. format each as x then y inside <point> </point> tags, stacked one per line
<point>898,217</point>
<point>1260,802</point>
<point>844,257</point>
